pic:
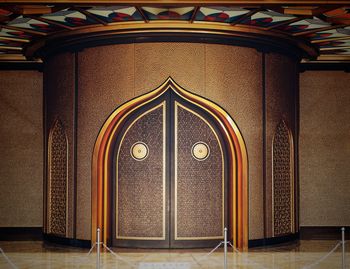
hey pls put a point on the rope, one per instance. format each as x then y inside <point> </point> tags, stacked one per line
<point>8,259</point>
<point>248,261</point>
<point>208,254</point>
<point>119,257</point>
<point>323,257</point>
<point>83,260</point>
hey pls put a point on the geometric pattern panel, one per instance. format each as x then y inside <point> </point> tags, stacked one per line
<point>28,23</point>
<point>282,181</point>
<point>70,18</point>
<point>199,178</point>
<point>303,23</point>
<point>220,14</point>
<point>57,184</point>
<point>116,13</point>
<point>140,182</point>
<point>168,13</point>
<point>267,18</point>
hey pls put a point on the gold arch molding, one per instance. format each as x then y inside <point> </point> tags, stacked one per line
<point>237,157</point>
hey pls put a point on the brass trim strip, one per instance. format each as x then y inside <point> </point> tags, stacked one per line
<point>330,39</point>
<point>335,48</point>
<point>25,30</point>
<point>177,104</point>
<point>163,105</point>
<point>14,39</point>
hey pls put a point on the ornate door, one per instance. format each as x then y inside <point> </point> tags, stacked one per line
<point>170,177</point>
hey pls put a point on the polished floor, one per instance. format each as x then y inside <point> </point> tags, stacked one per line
<point>298,255</point>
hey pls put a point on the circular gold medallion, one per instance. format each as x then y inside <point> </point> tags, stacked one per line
<point>139,151</point>
<point>200,151</point>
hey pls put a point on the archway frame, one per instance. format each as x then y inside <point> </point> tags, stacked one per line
<point>101,190</point>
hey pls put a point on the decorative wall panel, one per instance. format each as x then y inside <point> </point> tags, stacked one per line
<point>57,181</point>
<point>141,178</point>
<point>199,178</point>
<point>283,181</point>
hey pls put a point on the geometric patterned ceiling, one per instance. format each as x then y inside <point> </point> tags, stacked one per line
<point>325,26</point>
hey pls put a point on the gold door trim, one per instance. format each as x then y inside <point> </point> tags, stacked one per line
<point>177,104</point>
<point>238,163</point>
<point>163,105</point>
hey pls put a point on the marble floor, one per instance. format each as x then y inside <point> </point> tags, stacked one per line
<point>298,255</point>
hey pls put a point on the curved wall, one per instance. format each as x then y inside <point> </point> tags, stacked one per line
<point>255,88</point>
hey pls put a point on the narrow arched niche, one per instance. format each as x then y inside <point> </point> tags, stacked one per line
<point>57,193</point>
<point>237,158</point>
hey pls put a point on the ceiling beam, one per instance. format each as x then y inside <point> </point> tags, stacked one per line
<point>14,39</point>
<point>52,22</point>
<point>194,14</point>
<point>25,30</point>
<point>12,57</point>
<point>7,48</point>
<point>31,9</point>
<point>330,39</point>
<point>335,48</point>
<point>143,15</point>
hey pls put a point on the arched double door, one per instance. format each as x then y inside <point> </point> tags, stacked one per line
<point>169,177</point>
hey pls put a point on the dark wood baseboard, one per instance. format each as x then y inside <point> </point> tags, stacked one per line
<point>323,232</point>
<point>21,233</point>
<point>67,241</point>
<point>272,241</point>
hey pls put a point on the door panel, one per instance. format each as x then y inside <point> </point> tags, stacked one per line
<point>169,178</point>
<point>140,179</point>
<point>199,178</point>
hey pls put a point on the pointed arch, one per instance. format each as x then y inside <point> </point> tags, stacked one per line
<point>238,168</point>
<point>57,184</point>
<point>283,181</point>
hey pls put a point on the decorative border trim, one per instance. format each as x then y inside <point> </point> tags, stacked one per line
<point>238,159</point>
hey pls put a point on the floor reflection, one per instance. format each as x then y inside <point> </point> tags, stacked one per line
<point>297,255</point>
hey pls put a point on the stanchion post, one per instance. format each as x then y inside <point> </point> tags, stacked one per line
<point>98,249</point>
<point>225,248</point>
<point>343,246</point>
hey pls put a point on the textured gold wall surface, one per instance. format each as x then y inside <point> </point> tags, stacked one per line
<point>59,80</point>
<point>21,165</point>
<point>324,148</point>
<point>230,76</point>
<point>106,80</point>
<point>281,84</point>
<point>233,79</point>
